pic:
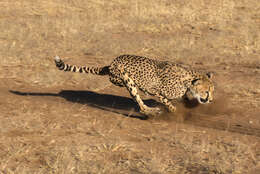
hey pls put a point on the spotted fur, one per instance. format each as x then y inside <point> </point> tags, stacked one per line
<point>166,80</point>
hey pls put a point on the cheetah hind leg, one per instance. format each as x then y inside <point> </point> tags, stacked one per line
<point>131,87</point>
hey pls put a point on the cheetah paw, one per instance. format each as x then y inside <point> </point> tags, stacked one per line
<point>151,111</point>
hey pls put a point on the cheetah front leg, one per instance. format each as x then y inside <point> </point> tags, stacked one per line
<point>167,103</point>
<point>131,87</point>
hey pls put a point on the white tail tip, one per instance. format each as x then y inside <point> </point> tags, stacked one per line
<point>57,58</point>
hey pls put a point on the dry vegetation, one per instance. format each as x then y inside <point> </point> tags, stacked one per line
<point>56,122</point>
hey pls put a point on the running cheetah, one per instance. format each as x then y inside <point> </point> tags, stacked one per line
<point>166,80</point>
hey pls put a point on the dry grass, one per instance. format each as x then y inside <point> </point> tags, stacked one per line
<point>47,131</point>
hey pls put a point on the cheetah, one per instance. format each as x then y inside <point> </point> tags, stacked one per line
<point>163,79</point>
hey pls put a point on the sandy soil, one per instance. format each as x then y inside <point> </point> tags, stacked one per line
<point>57,122</point>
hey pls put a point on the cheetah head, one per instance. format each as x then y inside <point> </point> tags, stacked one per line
<point>202,89</point>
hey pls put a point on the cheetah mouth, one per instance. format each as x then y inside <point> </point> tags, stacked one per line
<point>204,101</point>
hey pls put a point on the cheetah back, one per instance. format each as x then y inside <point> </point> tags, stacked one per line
<point>151,76</point>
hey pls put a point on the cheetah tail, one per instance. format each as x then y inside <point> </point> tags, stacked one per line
<point>81,69</point>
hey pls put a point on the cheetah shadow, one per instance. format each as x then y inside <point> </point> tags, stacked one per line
<point>127,107</point>
<point>108,102</point>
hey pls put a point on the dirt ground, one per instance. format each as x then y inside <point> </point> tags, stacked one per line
<point>57,122</point>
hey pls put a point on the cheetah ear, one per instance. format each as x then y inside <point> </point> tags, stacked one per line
<point>195,81</point>
<point>209,75</point>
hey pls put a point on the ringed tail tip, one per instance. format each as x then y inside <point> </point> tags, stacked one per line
<point>59,63</point>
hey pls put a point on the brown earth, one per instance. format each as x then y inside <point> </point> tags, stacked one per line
<point>57,122</point>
